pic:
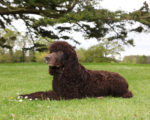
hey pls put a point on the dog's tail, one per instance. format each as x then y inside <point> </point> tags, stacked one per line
<point>128,94</point>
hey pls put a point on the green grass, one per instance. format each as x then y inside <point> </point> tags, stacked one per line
<point>31,77</point>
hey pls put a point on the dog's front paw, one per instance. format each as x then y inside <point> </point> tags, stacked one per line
<point>27,96</point>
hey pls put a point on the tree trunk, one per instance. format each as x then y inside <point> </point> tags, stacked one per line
<point>11,54</point>
<point>33,57</point>
<point>23,55</point>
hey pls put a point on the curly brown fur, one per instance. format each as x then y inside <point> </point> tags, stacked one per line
<point>72,80</point>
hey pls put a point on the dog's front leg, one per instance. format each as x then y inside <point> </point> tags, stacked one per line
<point>41,95</point>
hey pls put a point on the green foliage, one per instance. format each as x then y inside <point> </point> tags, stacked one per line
<point>137,59</point>
<point>5,58</point>
<point>42,44</point>
<point>8,38</point>
<point>15,47</point>
<point>75,12</point>
<point>142,16</point>
<point>32,77</point>
<point>40,56</point>
<point>94,54</point>
<point>18,57</point>
<point>102,52</point>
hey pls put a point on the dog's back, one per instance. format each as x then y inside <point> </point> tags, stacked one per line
<point>104,83</point>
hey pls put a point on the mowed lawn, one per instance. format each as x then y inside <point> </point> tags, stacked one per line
<point>31,77</point>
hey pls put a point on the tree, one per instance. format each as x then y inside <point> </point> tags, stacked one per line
<point>7,40</point>
<point>137,59</point>
<point>142,15</point>
<point>111,48</point>
<point>103,52</point>
<point>26,44</point>
<point>79,13</point>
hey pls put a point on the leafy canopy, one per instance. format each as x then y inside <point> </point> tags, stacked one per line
<point>80,14</point>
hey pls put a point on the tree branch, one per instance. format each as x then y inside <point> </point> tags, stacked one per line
<point>5,11</point>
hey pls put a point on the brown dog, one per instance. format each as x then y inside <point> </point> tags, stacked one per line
<point>72,80</point>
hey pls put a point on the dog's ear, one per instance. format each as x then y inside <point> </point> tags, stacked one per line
<point>72,60</point>
<point>60,57</point>
<point>74,47</point>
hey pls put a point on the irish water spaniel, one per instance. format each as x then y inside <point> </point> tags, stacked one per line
<point>72,80</point>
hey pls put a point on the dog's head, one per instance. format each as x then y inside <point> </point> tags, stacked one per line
<point>62,55</point>
<point>55,59</point>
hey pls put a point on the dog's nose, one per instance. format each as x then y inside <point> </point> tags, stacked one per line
<point>47,58</point>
